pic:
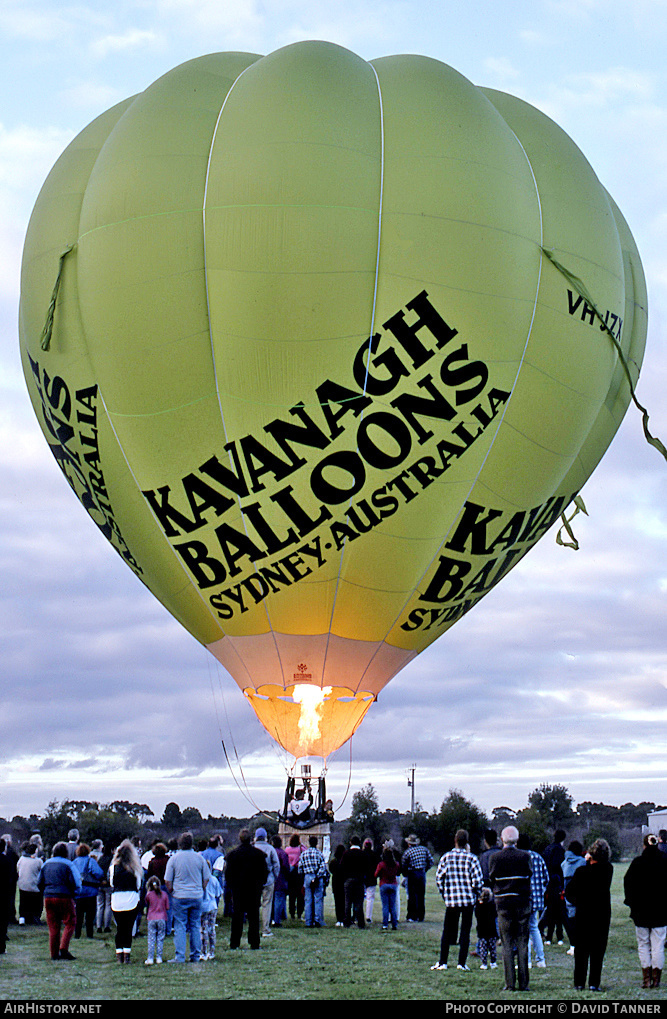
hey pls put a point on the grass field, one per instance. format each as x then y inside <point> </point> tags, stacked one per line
<point>309,964</point>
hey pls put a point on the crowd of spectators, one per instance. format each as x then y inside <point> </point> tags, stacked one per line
<point>519,899</point>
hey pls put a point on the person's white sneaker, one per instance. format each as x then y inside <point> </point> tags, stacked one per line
<point>465,968</point>
<point>541,965</point>
<point>439,965</point>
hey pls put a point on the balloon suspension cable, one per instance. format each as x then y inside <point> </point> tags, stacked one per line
<point>582,290</point>
<point>349,780</point>
<point>245,792</point>
<point>47,331</point>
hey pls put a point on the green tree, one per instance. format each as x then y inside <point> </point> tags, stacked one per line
<point>501,817</point>
<point>365,819</point>
<point>634,815</point>
<point>609,832</point>
<point>554,804</point>
<point>596,813</point>
<point>55,823</point>
<point>531,822</point>
<point>141,811</point>
<point>191,818</point>
<point>172,817</point>
<point>108,825</point>
<point>439,828</point>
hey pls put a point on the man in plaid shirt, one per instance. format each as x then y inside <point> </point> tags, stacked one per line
<point>313,867</point>
<point>415,862</point>
<point>539,881</point>
<point>460,882</point>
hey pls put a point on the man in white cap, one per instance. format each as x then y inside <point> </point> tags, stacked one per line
<point>416,861</point>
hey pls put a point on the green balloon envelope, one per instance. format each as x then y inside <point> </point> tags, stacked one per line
<point>307,365</point>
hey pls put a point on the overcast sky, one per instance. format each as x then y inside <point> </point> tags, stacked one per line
<point>559,675</point>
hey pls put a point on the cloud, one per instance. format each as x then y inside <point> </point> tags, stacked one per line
<point>26,156</point>
<point>500,70</point>
<point>616,84</point>
<point>131,40</point>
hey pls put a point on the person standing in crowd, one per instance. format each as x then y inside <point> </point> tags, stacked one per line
<point>371,859</point>
<point>245,872</point>
<point>662,840</point>
<point>313,869</point>
<point>12,858</point>
<point>186,877</point>
<point>58,882</point>
<point>415,864</point>
<point>281,884</point>
<point>125,878</point>
<point>387,872</point>
<point>338,883</point>
<point>212,850</point>
<point>352,872</point>
<point>157,909</point>
<point>509,875</point>
<point>645,886</point>
<point>574,858</point>
<point>157,865</point>
<point>91,875</point>
<point>36,840</point>
<point>490,847</point>
<point>589,892</point>
<point>487,930</point>
<point>396,853</point>
<point>539,882</point>
<point>5,881</point>
<point>295,896</point>
<point>551,925</point>
<point>72,843</point>
<point>30,897</point>
<point>272,872</point>
<point>209,914</point>
<point>103,912</point>
<point>460,881</point>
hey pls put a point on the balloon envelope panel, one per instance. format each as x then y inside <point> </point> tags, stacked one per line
<point>310,370</point>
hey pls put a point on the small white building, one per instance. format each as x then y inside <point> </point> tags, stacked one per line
<point>657,820</point>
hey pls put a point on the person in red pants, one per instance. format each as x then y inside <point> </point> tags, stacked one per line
<point>59,882</point>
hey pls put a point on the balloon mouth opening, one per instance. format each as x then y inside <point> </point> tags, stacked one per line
<point>309,720</point>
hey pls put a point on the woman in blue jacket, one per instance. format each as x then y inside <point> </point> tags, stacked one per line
<point>91,875</point>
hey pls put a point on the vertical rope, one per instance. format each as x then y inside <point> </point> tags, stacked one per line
<point>581,289</point>
<point>47,331</point>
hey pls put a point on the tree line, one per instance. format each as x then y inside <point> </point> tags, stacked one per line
<point>549,807</point>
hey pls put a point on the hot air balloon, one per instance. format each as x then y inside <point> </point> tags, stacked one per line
<point>324,346</point>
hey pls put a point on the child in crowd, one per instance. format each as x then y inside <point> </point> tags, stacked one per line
<point>157,905</point>
<point>209,915</point>
<point>487,935</point>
